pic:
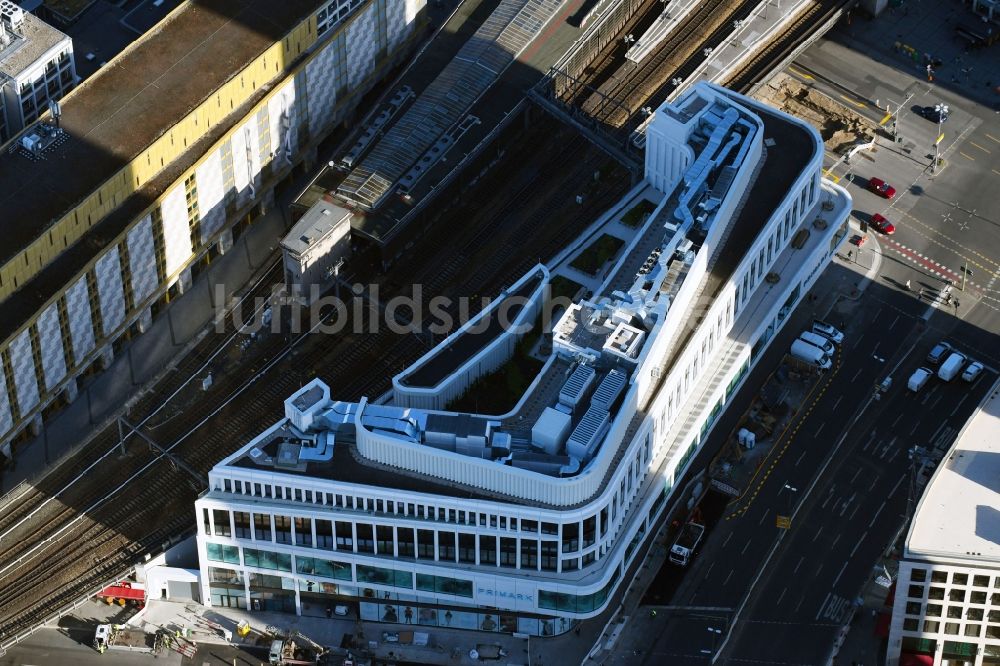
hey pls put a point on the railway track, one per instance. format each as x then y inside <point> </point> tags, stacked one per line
<point>61,542</point>
<point>777,50</point>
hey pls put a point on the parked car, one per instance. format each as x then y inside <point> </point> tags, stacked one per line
<point>949,369</point>
<point>859,240</point>
<point>881,188</point>
<point>940,350</point>
<point>972,371</point>
<point>932,114</point>
<point>883,225</point>
<point>828,331</point>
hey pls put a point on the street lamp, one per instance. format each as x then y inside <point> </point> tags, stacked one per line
<point>942,112</point>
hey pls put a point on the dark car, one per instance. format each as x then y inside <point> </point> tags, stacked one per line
<point>932,114</point>
<point>881,188</point>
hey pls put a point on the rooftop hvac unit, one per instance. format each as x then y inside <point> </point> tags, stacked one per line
<point>575,388</point>
<point>588,433</point>
<point>608,390</point>
<point>550,430</point>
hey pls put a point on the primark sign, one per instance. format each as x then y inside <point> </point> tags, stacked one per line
<point>505,595</point>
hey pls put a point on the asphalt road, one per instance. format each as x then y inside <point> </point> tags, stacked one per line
<point>851,503</point>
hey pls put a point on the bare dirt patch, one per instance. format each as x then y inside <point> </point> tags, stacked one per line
<point>840,127</point>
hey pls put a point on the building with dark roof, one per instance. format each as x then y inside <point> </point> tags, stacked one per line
<point>154,158</point>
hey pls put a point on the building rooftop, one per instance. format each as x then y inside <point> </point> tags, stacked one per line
<point>314,225</point>
<point>598,345</point>
<point>133,100</point>
<point>27,44</point>
<point>118,113</point>
<point>958,516</point>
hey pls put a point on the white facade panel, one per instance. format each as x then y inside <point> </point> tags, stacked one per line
<point>81,325</point>
<point>176,231</point>
<point>142,260</point>
<point>246,161</point>
<point>22,364</point>
<point>398,21</point>
<point>321,75</point>
<point>50,338</point>
<point>362,45</point>
<point>6,417</point>
<point>211,193</point>
<point>110,290</point>
<point>281,111</point>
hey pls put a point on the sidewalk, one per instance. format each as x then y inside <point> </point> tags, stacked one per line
<point>202,625</point>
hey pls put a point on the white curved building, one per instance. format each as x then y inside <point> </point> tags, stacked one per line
<point>529,520</point>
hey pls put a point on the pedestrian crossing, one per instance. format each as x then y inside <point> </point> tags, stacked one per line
<point>834,608</point>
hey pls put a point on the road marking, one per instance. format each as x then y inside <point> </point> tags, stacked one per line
<point>726,582</point>
<point>936,401</point>
<point>856,545</point>
<point>836,539</point>
<point>761,521</point>
<point>840,573</point>
<point>745,546</point>
<point>896,487</point>
<point>855,475</point>
<point>959,404</point>
<point>799,605</point>
<point>995,171</point>
<point>858,373</point>
<point>839,398</point>
<point>801,560</point>
<point>878,511</point>
<point>782,595</point>
<point>847,504</point>
<point>993,138</point>
<point>819,429</point>
<point>916,424</point>
<point>855,102</point>
<point>894,322</point>
<point>710,567</point>
<point>897,419</point>
<point>801,456</point>
<point>874,481</point>
<point>806,76</point>
<point>985,150</point>
<point>968,157</point>
<point>728,537</point>
<point>856,507</point>
<point>818,532</point>
<point>822,606</point>
<point>885,119</point>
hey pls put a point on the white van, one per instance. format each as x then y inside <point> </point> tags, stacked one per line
<point>818,341</point>
<point>918,379</point>
<point>951,366</point>
<point>810,354</point>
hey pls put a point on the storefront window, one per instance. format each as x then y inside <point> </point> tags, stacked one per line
<point>325,568</point>
<point>383,576</point>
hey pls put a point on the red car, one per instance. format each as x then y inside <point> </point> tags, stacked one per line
<point>883,225</point>
<point>881,188</point>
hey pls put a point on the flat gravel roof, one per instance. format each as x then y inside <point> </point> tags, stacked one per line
<point>120,111</point>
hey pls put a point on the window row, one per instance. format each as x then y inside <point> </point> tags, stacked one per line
<point>953,577</point>
<point>407,542</point>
